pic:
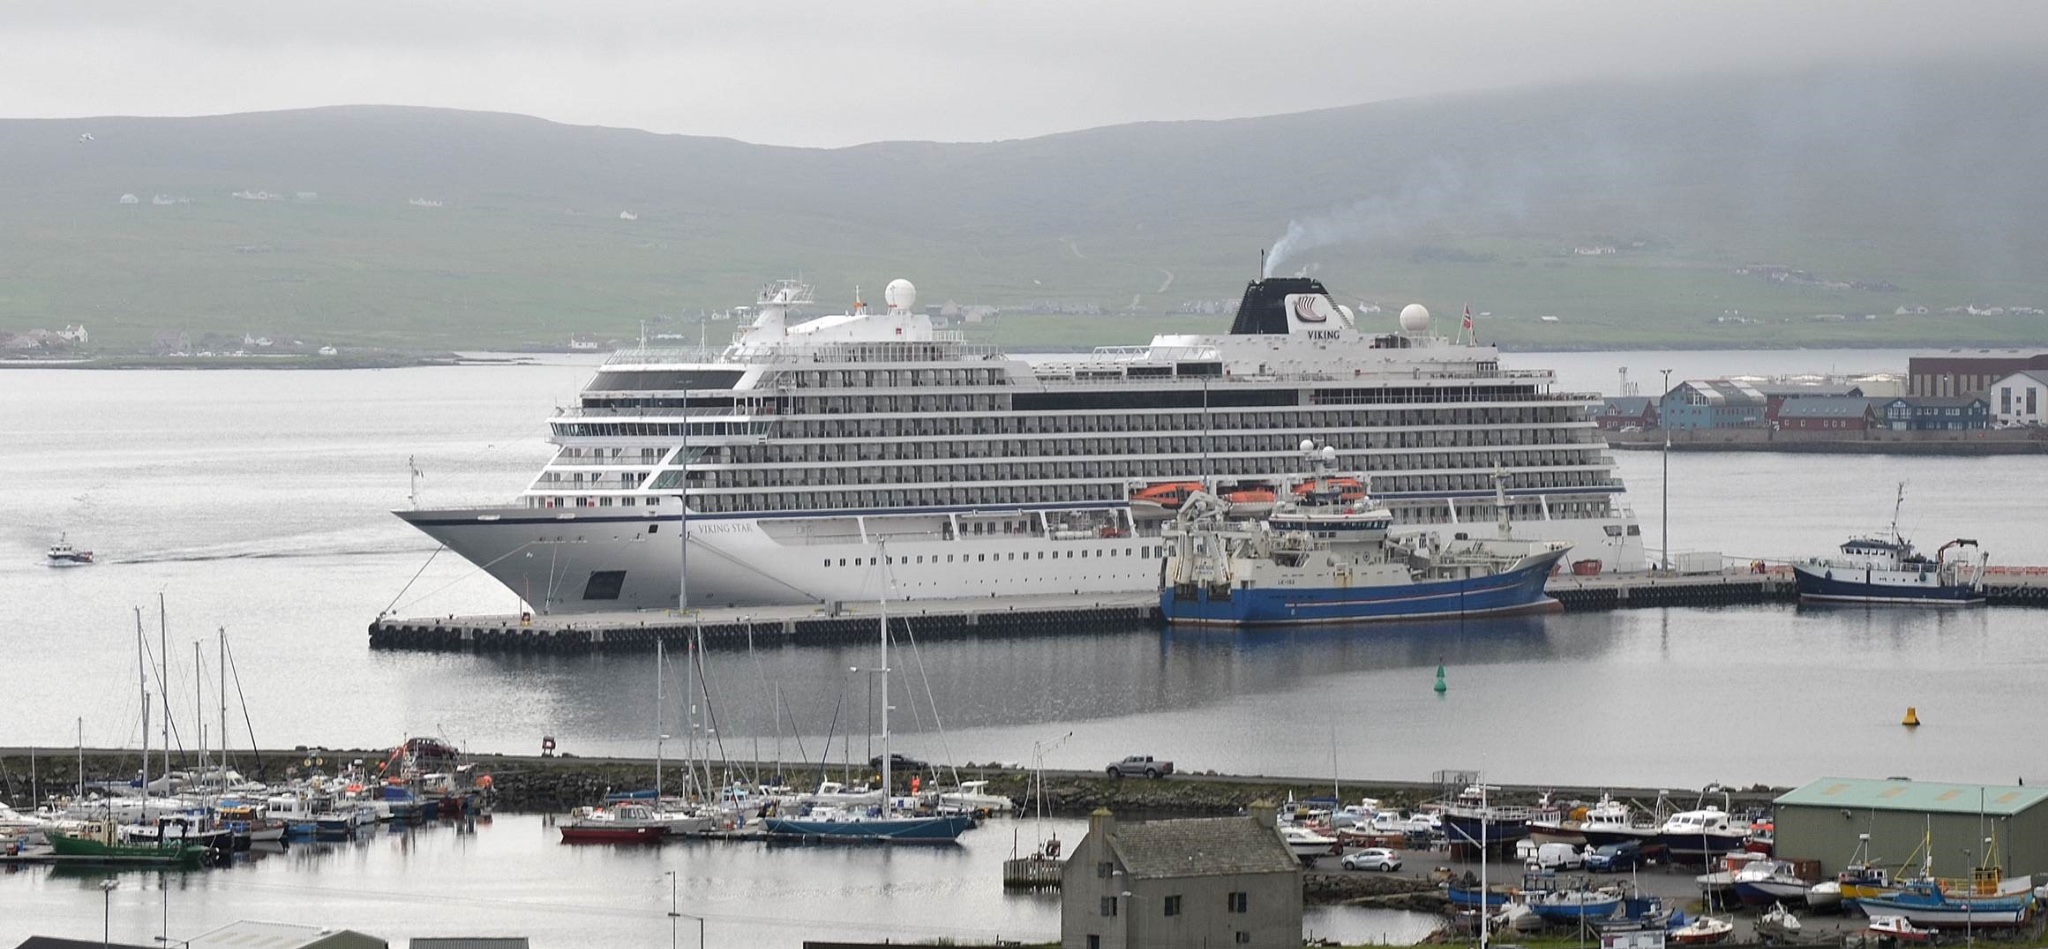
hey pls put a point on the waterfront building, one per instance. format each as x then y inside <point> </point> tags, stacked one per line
<point>2019,399</point>
<point>1227,881</point>
<point>1776,394</point>
<point>1957,373</point>
<point>1934,414</point>
<point>1712,403</point>
<point>1825,820</point>
<point>1825,414</point>
<point>1620,412</point>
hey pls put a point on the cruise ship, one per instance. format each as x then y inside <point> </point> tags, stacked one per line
<point>849,457</point>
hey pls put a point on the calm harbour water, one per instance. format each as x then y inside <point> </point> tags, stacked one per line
<point>257,501</point>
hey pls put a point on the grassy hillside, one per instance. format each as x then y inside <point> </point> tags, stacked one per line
<point>1887,186</point>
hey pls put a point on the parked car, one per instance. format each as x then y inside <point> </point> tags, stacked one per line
<point>899,763</point>
<point>1610,858</point>
<point>1146,765</point>
<point>1372,858</point>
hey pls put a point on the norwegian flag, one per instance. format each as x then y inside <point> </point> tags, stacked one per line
<point>1468,323</point>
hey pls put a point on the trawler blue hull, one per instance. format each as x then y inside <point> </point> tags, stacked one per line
<point>1520,590</point>
<point>1843,585</point>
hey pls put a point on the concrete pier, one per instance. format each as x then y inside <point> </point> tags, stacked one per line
<point>1034,615</point>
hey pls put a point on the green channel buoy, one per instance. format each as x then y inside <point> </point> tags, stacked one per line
<point>1441,688</point>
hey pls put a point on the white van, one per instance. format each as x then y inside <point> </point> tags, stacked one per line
<point>1557,857</point>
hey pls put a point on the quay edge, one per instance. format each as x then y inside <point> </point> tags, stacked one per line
<point>584,633</point>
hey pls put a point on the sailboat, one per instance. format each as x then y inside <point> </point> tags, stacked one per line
<point>881,823</point>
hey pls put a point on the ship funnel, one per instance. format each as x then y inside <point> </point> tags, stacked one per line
<point>1279,306</point>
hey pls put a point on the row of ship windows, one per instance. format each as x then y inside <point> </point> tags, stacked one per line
<point>1144,552</point>
<point>1086,422</point>
<point>1425,512</point>
<point>887,378</point>
<point>1093,455</point>
<point>1550,466</point>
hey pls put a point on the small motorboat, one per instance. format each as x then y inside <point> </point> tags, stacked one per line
<point>1778,923</point>
<point>62,554</point>
<point>618,824</point>
<point>1898,929</point>
<point>1824,897</point>
<point>1704,931</point>
<point>1307,844</point>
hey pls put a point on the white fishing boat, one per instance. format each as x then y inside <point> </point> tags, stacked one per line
<point>62,554</point>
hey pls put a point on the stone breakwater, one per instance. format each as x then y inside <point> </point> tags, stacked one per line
<point>1390,891</point>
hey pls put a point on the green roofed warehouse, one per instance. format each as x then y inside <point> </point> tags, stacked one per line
<point>1908,820</point>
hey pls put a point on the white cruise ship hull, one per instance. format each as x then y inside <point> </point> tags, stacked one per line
<point>555,563</point>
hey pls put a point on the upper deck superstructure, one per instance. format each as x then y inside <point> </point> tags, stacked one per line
<point>804,441</point>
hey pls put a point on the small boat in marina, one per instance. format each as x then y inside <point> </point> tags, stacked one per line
<point>1606,821</point>
<point>1884,568</point>
<point>973,798</point>
<point>1769,882</point>
<point>617,824</point>
<point>101,843</point>
<point>1704,931</point>
<point>1824,897</point>
<point>1472,820</point>
<point>1898,929</point>
<point>1991,904</point>
<point>1779,924</point>
<point>62,554</point>
<point>1307,844</point>
<point>1699,836</point>
<point>1558,904</point>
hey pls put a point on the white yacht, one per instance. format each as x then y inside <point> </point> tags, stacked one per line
<point>801,446</point>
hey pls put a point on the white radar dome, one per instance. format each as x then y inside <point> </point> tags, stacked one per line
<point>1414,318</point>
<point>900,295</point>
<point>1307,446</point>
<point>1329,454</point>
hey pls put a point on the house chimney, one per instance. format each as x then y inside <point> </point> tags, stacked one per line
<point>1101,823</point>
<point>1267,814</point>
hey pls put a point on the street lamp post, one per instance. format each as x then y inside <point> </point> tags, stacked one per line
<point>1666,505</point>
<point>674,914</point>
<point>107,912</point>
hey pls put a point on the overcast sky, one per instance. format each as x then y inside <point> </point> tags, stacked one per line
<point>839,72</point>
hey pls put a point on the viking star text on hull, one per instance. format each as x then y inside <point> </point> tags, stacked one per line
<point>803,444</point>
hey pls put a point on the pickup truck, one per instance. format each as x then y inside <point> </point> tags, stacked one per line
<point>1141,764</point>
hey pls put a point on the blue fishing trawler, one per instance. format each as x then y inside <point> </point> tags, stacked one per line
<point>1326,556</point>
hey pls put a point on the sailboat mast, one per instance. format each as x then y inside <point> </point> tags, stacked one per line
<point>888,789</point>
<point>222,647</point>
<point>199,705</point>
<point>659,654</point>
<point>142,688</point>
<point>163,632</point>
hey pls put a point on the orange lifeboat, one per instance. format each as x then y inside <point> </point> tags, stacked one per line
<point>1168,496</point>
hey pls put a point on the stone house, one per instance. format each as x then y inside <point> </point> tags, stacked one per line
<point>1220,882</point>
